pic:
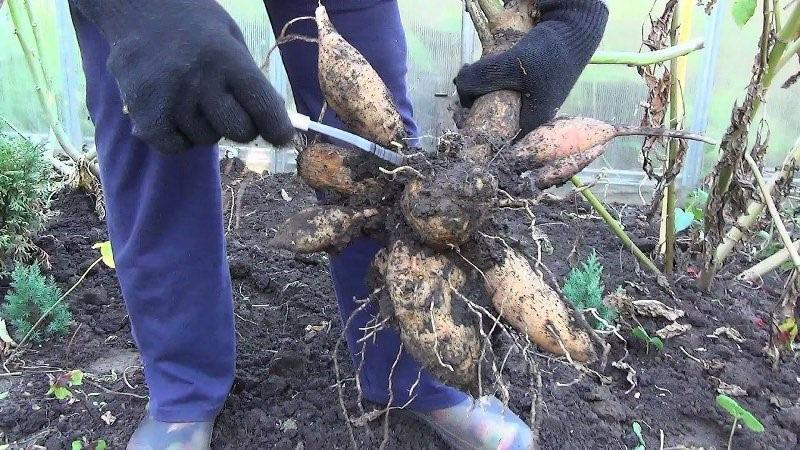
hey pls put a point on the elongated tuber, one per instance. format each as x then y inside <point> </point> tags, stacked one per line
<point>326,166</point>
<point>322,228</point>
<point>434,323</point>
<point>353,88</point>
<point>521,297</point>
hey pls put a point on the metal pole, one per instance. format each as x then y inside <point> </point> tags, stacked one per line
<point>70,65</point>
<point>692,172</point>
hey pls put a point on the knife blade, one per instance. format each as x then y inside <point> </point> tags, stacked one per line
<point>304,123</point>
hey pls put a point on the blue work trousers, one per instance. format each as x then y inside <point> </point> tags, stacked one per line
<point>165,223</point>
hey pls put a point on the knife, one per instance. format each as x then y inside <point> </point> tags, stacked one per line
<point>304,123</point>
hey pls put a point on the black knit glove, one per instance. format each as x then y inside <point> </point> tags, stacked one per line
<point>545,65</point>
<point>185,73</point>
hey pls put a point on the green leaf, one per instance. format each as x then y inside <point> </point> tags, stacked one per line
<point>743,10</point>
<point>106,253</point>
<point>76,445</point>
<point>60,392</point>
<point>751,422</point>
<point>637,430</point>
<point>3,395</point>
<point>76,378</point>
<point>738,412</point>
<point>683,220</point>
<point>657,343</point>
<point>640,333</point>
<point>101,445</point>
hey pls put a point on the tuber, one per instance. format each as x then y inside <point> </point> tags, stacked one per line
<point>435,325</point>
<point>326,166</point>
<point>522,298</point>
<point>447,209</point>
<point>353,88</point>
<point>322,228</point>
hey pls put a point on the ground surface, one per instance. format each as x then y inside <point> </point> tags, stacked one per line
<point>284,394</point>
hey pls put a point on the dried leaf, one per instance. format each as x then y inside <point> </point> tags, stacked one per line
<point>791,81</point>
<point>730,332</point>
<point>731,390</point>
<point>108,418</point>
<point>672,330</point>
<point>285,195</point>
<point>654,308</point>
<point>630,377</point>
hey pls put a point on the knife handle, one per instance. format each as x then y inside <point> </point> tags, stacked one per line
<point>299,121</point>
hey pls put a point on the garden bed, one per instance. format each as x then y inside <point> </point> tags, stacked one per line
<point>285,392</point>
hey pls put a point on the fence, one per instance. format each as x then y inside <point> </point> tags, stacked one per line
<point>440,40</point>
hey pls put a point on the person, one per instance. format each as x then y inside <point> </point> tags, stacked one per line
<point>166,80</point>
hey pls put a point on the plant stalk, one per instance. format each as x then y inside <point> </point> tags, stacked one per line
<point>754,210</point>
<point>791,51</point>
<point>614,225</point>
<point>773,210</point>
<point>769,264</point>
<point>43,92</point>
<point>733,430</point>
<point>647,58</point>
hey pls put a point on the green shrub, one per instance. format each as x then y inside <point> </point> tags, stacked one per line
<point>584,288</point>
<point>30,296</point>
<point>24,190</point>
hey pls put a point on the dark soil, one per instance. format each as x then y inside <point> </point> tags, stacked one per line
<point>284,394</point>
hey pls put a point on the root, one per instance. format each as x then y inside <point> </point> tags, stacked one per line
<point>283,38</point>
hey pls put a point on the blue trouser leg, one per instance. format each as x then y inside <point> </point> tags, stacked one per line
<point>165,223</point>
<point>374,28</point>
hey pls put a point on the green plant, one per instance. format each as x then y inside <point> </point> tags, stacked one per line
<point>31,295</point>
<point>59,386</point>
<point>641,334</point>
<point>637,430</point>
<point>692,213</point>
<point>738,412</point>
<point>584,288</point>
<point>24,189</point>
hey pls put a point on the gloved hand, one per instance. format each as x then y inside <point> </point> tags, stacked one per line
<point>545,65</point>
<point>186,75</point>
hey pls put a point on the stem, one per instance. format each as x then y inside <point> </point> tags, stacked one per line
<point>492,9</point>
<point>647,58</point>
<point>614,225</point>
<point>768,265</point>
<point>37,36</point>
<point>792,50</point>
<point>626,130</point>
<point>480,22</point>
<point>733,430</point>
<point>754,210</point>
<point>672,158</point>
<point>43,92</point>
<point>58,302</point>
<point>776,217</point>
<point>776,13</point>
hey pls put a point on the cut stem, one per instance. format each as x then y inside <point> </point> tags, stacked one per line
<point>773,210</point>
<point>647,58</point>
<point>754,210</point>
<point>615,226</point>
<point>492,9</point>
<point>769,264</point>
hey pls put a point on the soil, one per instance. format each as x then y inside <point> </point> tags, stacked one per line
<point>284,395</point>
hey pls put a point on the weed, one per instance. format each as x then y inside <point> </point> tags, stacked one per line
<point>641,334</point>
<point>584,288</point>
<point>24,190</point>
<point>59,386</point>
<point>739,412</point>
<point>31,295</point>
<point>637,430</point>
<point>692,213</point>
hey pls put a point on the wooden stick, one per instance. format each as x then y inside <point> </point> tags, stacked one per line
<point>768,264</point>
<point>776,217</point>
